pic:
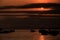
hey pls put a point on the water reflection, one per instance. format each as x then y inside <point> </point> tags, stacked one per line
<point>30,9</point>
<point>27,35</point>
<point>41,37</point>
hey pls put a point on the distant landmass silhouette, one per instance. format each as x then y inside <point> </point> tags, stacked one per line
<point>38,5</point>
<point>33,5</point>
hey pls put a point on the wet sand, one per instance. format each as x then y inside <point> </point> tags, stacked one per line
<point>27,35</point>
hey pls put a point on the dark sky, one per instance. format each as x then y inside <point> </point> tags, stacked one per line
<point>23,2</point>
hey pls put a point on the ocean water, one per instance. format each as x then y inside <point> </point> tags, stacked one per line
<point>26,34</point>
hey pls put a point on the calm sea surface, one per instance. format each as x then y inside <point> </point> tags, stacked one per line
<point>25,34</point>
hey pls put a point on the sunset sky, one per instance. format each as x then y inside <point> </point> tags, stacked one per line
<point>23,2</point>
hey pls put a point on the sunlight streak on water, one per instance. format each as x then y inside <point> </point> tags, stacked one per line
<point>41,37</point>
<point>27,35</point>
<point>29,9</point>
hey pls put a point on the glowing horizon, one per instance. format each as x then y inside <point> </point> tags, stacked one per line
<point>22,2</point>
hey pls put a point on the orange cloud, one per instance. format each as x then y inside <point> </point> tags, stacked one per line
<point>46,1</point>
<point>22,2</point>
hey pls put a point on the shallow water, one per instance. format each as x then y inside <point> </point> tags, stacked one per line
<point>27,35</point>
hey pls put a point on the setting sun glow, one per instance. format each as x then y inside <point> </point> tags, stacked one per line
<point>23,2</point>
<point>44,9</point>
<point>46,1</point>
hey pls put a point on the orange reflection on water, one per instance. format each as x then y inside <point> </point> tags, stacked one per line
<point>37,9</point>
<point>41,37</point>
<point>30,9</point>
<point>44,9</point>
